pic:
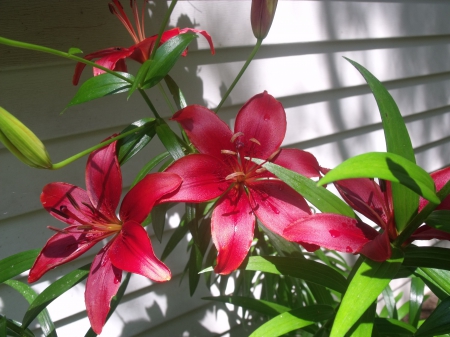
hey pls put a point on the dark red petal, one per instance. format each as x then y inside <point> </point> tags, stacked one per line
<point>104,180</point>
<point>426,232</point>
<point>207,132</point>
<point>262,118</point>
<point>232,228</point>
<point>378,249</point>
<point>298,161</point>
<point>203,178</point>
<point>99,54</point>
<point>68,203</point>
<point>113,61</point>
<point>365,196</point>
<point>132,251</point>
<point>202,32</point>
<point>440,177</point>
<point>332,231</point>
<point>102,284</point>
<point>139,201</point>
<point>62,248</point>
<point>276,204</point>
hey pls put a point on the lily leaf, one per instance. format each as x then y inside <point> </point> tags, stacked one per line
<point>388,327</point>
<point>397,142</point>
<point>53,291</point>
<point>438,323</point>
<point>16,264</point>
<point>387,166</point>
<point>364,325</point>
<point>320,197</point>
<point>293,320</point>
<point>10,327</point>
<point>301,268</point>
<point>428,257</point>
<point>129,146</point>
<point>367,283</point>
<point>416,300</point>
<point>169,139</point>
<point>150,166</point>
<point>261,306</point>
<point>74,50</point>
<point>176,237</point>
<point>158,214</point>
<point>440,220</point>
<point>101,86</point>
<point>175,90</point>
<point>47,326</point>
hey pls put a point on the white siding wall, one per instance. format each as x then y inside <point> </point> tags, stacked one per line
<point>406,44</point>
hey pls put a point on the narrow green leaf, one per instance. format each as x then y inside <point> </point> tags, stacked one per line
<point>159,219</point>
<point>301,268</point>
<point>261,306</point>
<point>53,291</point>
<point>129,146</point>
<point>140,76</point>
<point>387,166</point>
<point>397,142</point>
<point>389,300</point>
<point>16,264</point>
<point>293,320</point>
<point>438,323</point>
<point>440,220</point>
<point>416,300</point>
<point>364,325</point>
<point>388,327</point>
<point>150,166</point>
<point>13,328</point>
<point>437,280</point>
<point>429,257</point>
<point>320,197</point>
<point>195,265</point>
<point>101,86</point>
<point>74,50</point>
<point>175,90</point>
<point>169,139</point>
<point>2,326</point>
<point>367,283</point>
<point>175,239</point>
<point>47,326</point>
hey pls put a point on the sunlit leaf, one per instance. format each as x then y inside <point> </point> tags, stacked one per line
<point>16,264</point>
<point>437,280</point>
<point>129,146</point>
<point>416,300</point>
<point>364,325</point>
<point>261,306</point>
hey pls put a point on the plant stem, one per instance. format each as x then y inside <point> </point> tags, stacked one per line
<point>163,26</point>
<point>149,103</point>
<point>30,46</point>
<point>166,98</point>
<point>69,160</point>
<point>249,59</point>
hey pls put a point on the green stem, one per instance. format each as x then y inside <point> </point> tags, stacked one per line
<point>249,59</point>
<point>149,103</point>
<point>69,160</point>
<point>421,217</point>
<point>163,26</point>
<point>30,46</point>
<point>166,98</point>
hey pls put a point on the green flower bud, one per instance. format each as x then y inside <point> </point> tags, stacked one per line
<point>262,14</point>
<point>22,142</point>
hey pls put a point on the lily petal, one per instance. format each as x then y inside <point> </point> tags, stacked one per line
<point>139,201</point>
<point>232,228</point>
<point>203,178</point>
<point>102,284</point>
<point>298,161</point>
<point>202,32</point>
<point>440,177</point>
<point>62,248</point>
<point>132,251</point>
<point>426,232</point>
<point>262,118</point>
<point>276,204</point>
<point>332,231</point>
<point>104,180</point>
<point>378,249</point>
<point>205,129</point>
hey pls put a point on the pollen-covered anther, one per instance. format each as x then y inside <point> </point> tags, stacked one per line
<point>254,140</point>
<point>235,175</point>
<point>273,155</point>
<point>235,136</point>
<point>228,152</point>
<point>59,230</point>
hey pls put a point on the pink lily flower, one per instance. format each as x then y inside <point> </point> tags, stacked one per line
<point>114,58</point>
<point>374,201</point>
<point>223,169</point>
<point>91,216</point>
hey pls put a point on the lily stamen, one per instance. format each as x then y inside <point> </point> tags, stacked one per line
<point>228,152</point>
<point>234,175</point>
<point>122,16</point>
<point>235,136</point>
<point>254,140</point>
<point>273,155</point>
<point>59,230</point>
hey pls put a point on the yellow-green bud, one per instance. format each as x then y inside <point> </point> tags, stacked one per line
<point>262,14</point>
<point>22,142</point>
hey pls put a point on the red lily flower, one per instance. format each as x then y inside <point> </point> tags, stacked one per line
<point>223,169</point>
<point>374,201</point>
<point>91,218</point>
<point>114,58</point>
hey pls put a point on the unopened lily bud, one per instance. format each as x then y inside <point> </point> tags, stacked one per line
<point>22,142</point>
<point>262,14</point>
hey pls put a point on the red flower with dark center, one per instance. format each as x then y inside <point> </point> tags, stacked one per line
<point>223,169</point>
<point>91,216</point>
<point>114,58</point>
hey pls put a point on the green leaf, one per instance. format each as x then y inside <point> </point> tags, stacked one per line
<point>150,166</point>
<point>261,306</point>
<point>127,147</point>
<point>140,76</point>
<point>320,197</point>
<point>387,166</point>
<point>364,325</point>
<point>293,320</point>
<point>74,50</point>
<point>429,257</point>
<point>169,139</point>
<point>176,237</point>
<point>13,328</point>
<point>2,326</point>
<point>16,264</point>
<point>367,283</point>
<point>101,86</point>
<point>388,327</point>
<point>175,90</point>
<point>437,280</point>
<point>397,142</point>
<point>440,220</point>
<point>301,268</point>
<point>159,219</point>
<point>53,291</point>
<point>389,300</point>
<point>416,300</point>
<point>438,323</point>
<point>47,326</point>
<point>195,265</point>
